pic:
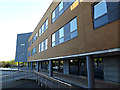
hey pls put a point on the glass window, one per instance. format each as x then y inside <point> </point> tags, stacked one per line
<point>74,34</point>
<point>46,42</point>
<point>53,40</point>
<point>40,31</point>
<point>46,23</point>
<point>67,32</point>
<point>29,53</point>
<point>29,43</point>
<point>22,44</point>
<point>53,14</point>
<point>34,37</point>
<point>100,14</point>
<point>53,37</point>
<point>43,28</point>
<point>61,6</point>
<point>53,44</point>
<point>42,46</point>
<point>34,51</point>
<point>61,32</point>
<point>73,25</point>
<point>100,9</point>
<point>62,40</point>
<point>39,47</point>
<point>61,35</point>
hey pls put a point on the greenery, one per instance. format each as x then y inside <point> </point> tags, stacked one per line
<point>12,62</point>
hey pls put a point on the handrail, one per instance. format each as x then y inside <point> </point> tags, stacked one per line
<point>40,78</point>
<point>55,80</point>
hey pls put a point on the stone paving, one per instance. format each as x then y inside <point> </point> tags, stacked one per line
<point>82,81</point>
<point>78,81</point>
<point>21,84</point>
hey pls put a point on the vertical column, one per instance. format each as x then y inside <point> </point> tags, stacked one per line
<point>40,66</point>
<point>28,65</point>
<point>37,66</point>
<point>18,65</point>
<point>66,67</point>
<point>90,72</point>
<point>31,66</point>
<point>50,68</point>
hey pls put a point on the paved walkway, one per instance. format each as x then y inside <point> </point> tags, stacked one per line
<point>21,84</point>
<point>82,81</point>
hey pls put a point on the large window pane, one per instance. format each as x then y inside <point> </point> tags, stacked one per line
<point>101,21</point>
<point>53,44</point>
<point>42,28</point>
<point>46,23</point>
<point>67,32</point>
<point>40,31</point>
<point>62,40</point>
<point>53,14</point>
<point>46,42</point>
<point>56,37</point>
<point>42,46</point>
<point>53,37</point>
<point>34,37</point>
<point>34,51</point>
<point>73,25</point>
<point>100,9</point>
<point>61,6</point>
<point>61,32</point>
<point>64,4</point>
<point>74,34</point>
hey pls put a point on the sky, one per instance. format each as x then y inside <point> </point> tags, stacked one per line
<point>18,16</point>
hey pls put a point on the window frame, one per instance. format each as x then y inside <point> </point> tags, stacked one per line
<point>64,33</point>
<point>34,51</point>
<point>93,19</point>
<point>42,46</point>
<point>43,27</point>
<point>34,37</point>
<point>62,10</point>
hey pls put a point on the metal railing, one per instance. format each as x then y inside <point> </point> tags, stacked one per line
<point>50,82</point>
<point>22,74</point>
<point>41,79</point>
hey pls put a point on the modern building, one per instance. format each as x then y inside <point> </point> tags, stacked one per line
<point>78,38</point>
<point>22,47</point>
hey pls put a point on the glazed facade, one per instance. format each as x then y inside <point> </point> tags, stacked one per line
<point>70,28</point>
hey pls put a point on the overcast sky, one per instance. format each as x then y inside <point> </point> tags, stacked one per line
<point>18,16</point>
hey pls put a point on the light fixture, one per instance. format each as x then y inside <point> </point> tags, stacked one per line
<point>71,60</point>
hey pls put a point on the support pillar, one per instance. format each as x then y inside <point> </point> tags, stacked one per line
<point>18,66</point>
<point>37,66</point>
<point>40,65</point>
<point>31,66</point>
<point>50,68</point>
<point>28,65</point>
<point>90,71</point>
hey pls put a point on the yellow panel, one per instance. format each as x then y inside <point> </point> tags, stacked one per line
<point>74,5</point>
